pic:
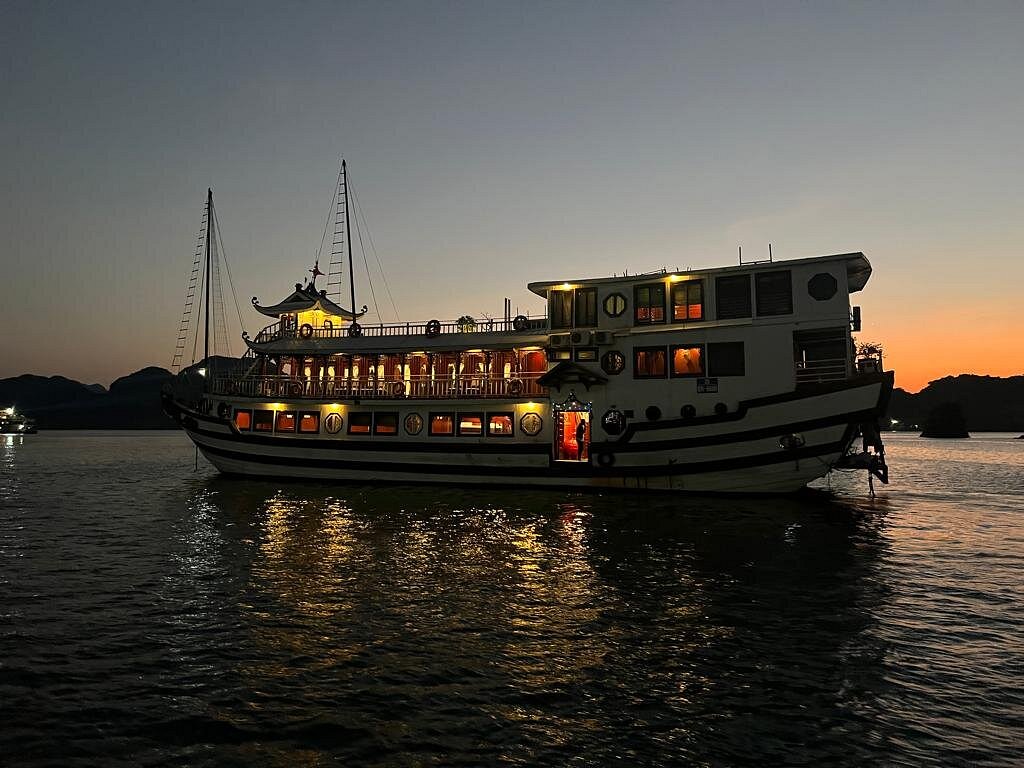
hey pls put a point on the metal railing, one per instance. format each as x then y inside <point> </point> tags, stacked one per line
<point>429,328</point>
<point>813,371</point>
<point>521,385</point>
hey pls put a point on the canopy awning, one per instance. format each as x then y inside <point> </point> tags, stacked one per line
<point>570,373</point>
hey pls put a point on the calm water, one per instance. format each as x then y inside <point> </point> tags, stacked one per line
<point>153,615</point>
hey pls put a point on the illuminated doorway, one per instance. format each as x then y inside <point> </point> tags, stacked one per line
<point>572,430</point>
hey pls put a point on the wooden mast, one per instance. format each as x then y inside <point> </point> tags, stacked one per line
<point>209,230</point>
<point>348,235</point>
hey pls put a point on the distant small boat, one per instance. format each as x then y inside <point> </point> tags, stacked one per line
<point>14,423</point>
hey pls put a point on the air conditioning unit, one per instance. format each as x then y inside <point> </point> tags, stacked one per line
<point>581,338</point>
<point>603,337</point>
<point>559,341</point>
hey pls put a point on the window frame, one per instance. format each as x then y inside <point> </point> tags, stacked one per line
<point>654,348</point>
<point>556,295</point>
<point>430,423</point>
<point>703,361</point>
<point>304,414</point>
<point>277,422</point>
<point>757,291</point>
<point>711,372</point>
<point>615,297</point>
<point>263,412</point>
<point>234,419</point>
<point>585,354</point>
<point>719,280</point>
<point>591,320</point>
<point>353,418</point>
<point>460,415</point>
<point>376,425</point>
<point>510,415</point>
<point>637,306</point>
<point>686,285</point>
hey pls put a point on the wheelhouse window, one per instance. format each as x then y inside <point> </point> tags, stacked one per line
<point>263,421</point>
<point>732,296</point>
<point>471,424</point>
<point>687,361</point>
<point>586,307</point>
<point>442,424</point>
<point>774,293</point>
<point>499,424</point>
<point>385,423</point>
<point>649,304</point>
<point>285,421</point>
<point>649,363</point>
<point>309,422</point>
<point>360,423</point>
<point>688,301</point>
<point>243,420</point>
<point>726,359</point>
<point>561,308</point>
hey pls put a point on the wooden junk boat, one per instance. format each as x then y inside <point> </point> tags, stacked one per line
<point>740,379</point>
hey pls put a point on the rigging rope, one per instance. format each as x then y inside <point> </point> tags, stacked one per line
<point>369,282</point>
<point>369,236</point>
<point>227,266</point>
<point>327,218</point>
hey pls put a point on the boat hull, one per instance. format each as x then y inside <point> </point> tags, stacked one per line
<point>769,445</point>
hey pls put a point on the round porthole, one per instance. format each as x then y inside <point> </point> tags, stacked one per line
<point>613,362</point>
<point>333,423</point>
<point>721,409</point>
<point>822,286</point>
<point>615,305</point>
<point>653,413</point>
<point>531,423</point>
<point>688,411</point>
<point>613,422</point>
<point>413,424</point>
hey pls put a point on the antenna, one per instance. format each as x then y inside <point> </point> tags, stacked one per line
<point>769,253</point>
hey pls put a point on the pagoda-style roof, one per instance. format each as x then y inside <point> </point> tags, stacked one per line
<point>303,299</point>
<point>570,373</point>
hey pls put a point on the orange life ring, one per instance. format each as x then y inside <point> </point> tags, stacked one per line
<point>433,329</point>
<point>515,387</point>
<point>520,322</point>
<point>306,331</point>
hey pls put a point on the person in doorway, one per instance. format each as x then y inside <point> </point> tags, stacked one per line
<point>581,435</point>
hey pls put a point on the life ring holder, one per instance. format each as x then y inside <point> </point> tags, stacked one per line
<point>355,330</point>
<point>433,329</point>
<point>605,459</point>
<point>223,410</point>
<point>515,387</point>
<point>396,388</point>
<point>520,323</point>
<point>306,331</point>
<point>294,388</point>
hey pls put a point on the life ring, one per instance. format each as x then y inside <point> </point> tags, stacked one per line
<point>433,329</point>
<point>306,331</point>
<point>328,325</point>
<point>396,388</point>
<point>688,412</point>
<point>223,410</point>
<point>520,322</point>
<point>605,459</point>
<point>515,387</point>
<point>232,387</point>
<point>355,330</point>
<point>294,388</point>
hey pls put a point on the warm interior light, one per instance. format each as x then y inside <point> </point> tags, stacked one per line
<point>201,371</point>
<point>566,287</point>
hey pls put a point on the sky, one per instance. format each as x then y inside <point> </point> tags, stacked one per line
<point>491,144</point>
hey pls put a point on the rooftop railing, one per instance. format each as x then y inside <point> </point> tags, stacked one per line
<point>815,371</point>
<point>429,328</point>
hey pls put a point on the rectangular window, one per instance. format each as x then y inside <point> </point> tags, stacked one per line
<point>687,361</point>
<point>243,420</point>
<point>360,423</point>
<point>774,293</point>
<point>385,424</point>
<point>442,424</point>
<point>471,424</point>
<point>585,354</point>
<point>285,421</point>
<point>688,301</point>
<point>732,296</point>
<point>649,304</point>
<point>556,355</point>
<point>309,421</point>
<point>561,308</point>
<point>263,421</point>
<point>649,363</point>
<point>499,425</point>
<point>586,307</point>
<point>726,359</point>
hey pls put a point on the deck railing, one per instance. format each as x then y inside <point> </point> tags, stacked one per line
<point>813,371</point>
<point>521,385</point>
<point>430,328</point>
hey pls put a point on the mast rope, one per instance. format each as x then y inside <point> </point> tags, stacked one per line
<point>380,267</point>
<point>227,267</point>
<point>369,282</point>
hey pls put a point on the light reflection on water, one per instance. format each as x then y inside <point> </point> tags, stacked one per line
<point>199,619</point>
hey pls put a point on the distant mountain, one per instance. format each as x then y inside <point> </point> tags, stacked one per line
<point>989,403</point>
<point>55,402</point>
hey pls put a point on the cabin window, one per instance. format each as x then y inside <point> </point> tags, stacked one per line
<point>561,309</point>
<point>615,305</point>
<point>586,307</point>
<point>499,425</point>
<point>585,354</point>
<point>726,359</point>
<point>360,423</point>
<point>774,293</point>
<point>649,363</point>
<point>649,304</point>
<point>471,424</point>
<point>822,286</point>
<point>285,421</point>
<point>557,355</point>
<point>385,424</point>
<point>688,301</point>
<point>688,361</point>
<point>263,421</point>
<point>243,420</point>
<point>732,296</point>
<point>442,424</point>
<point>309,421</point>
<point>613,362</point>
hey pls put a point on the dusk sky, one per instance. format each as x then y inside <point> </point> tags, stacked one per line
<point>492,144</point>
